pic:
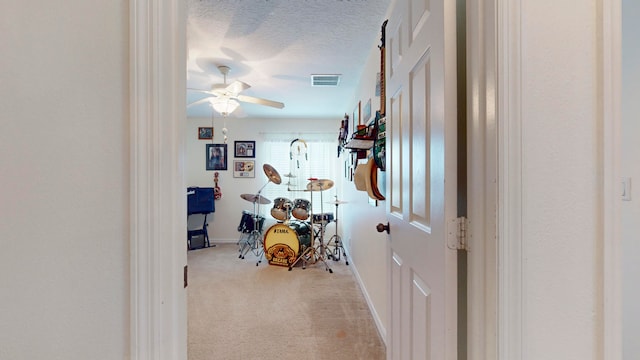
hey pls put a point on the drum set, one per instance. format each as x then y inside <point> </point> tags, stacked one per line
<point>298,235</point>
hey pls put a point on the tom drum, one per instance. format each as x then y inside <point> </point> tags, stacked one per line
<point>301,209</point>
<point>281,209</point>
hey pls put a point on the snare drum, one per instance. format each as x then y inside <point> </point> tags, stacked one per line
<point>281,245</point>
<point>323,218</point>
<point>301,209</point>
<point>281,208</point>
<point>246,222</point>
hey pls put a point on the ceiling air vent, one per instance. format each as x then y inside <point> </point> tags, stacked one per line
<point>325,79</point>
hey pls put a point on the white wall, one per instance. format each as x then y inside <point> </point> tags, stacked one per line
<point>561,188</point>
<point>630,211</point>
<point>366,247</point>
<point>64,263</point>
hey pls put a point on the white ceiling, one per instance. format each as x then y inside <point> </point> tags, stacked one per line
<point>275,46</point>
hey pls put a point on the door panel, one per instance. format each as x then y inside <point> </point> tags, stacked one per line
<point>421,309</point>
<point>394,152</point>
<point>421,129</point>
<point>395,351</point>
<point>420,83</point>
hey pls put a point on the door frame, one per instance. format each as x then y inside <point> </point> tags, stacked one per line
<point>611,108</point>
<point>158,300</point>
<point>158,252</point>
<point>495,320</point>
<point>510,295</point>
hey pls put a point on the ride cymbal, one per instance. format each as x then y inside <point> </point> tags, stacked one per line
<point>320,185</point>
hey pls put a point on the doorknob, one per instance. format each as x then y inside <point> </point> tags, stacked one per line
<point>382,227</point>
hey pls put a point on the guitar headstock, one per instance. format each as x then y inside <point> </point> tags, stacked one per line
<point>383,37</point>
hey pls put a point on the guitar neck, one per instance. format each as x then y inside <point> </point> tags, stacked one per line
<point>383,96</point>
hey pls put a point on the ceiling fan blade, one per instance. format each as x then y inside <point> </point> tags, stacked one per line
<point>259,101</point>
<point>237,86</point>
<point>204,91</point>
<point>200,101</point>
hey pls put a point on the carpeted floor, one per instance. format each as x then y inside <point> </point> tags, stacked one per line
<point>237,310</point>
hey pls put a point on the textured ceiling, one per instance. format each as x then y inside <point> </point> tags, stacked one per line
<point>275,46</point>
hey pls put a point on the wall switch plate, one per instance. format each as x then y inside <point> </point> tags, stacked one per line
<point>626,189</point>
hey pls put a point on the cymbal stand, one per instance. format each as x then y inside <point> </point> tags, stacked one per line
<point>323,249</point>
<point>254,241</point>
<point>337,241</point>
<point>311,253</point>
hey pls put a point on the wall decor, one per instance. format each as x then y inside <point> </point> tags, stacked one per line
<point>205,133</point>
<point>245,149</point>
<point>356,115</point>
<point>244,168</point>
<point>216,156</point>
<point>366,112</point>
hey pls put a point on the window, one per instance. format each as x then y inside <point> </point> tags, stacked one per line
<point>297,161</point>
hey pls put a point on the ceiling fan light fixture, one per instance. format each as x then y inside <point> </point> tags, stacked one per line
<point>325,79</point>
<point>224,106</point>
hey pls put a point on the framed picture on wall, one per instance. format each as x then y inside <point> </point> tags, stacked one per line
<point>366,112</point>
<point>205,133</point>
<point>216,156</point>
<point>244,168</point>
<point>245,149</point>
<point>356,116</point>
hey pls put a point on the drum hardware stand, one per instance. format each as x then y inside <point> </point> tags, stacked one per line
<point>338,249</point>
<point>311,254</point>
<point>255,241</point>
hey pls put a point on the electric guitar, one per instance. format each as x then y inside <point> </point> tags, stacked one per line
<point>217,193</point>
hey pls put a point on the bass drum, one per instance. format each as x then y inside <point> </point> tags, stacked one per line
<point>281,245</point>
<point>303,230</point>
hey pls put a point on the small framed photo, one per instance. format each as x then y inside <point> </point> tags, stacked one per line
<point>245,149</point>
<point>216,156</point>
<point>205,133</point>
<point>244,168</point>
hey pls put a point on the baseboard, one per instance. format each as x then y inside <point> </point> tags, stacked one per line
<point>376,318</point>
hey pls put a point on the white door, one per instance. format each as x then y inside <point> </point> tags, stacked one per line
<point>421,179</point>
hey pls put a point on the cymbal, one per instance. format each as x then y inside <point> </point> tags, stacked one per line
<point>272,174</point>
<point>320,185</point>
<point>289,175</point>
<point>337,202</point>
<point>255,198</point>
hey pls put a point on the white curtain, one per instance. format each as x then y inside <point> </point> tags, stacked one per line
<point>297,158</point>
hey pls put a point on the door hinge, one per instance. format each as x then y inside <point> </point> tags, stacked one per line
<point>458,234</point>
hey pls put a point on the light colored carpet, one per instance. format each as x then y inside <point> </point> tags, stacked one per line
<point>237,310</point>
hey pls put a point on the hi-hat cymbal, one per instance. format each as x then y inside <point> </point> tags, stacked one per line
<point>337,202</point>
<point>289,175</point>
<point>320,185</point>
<point>255,198</point>
<point>272,174</point>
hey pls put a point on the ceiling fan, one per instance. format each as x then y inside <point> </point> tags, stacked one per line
<point>225,98</point>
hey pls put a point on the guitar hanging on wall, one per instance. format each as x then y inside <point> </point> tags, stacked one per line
<point>217,193</point>
<point>380,120</point>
